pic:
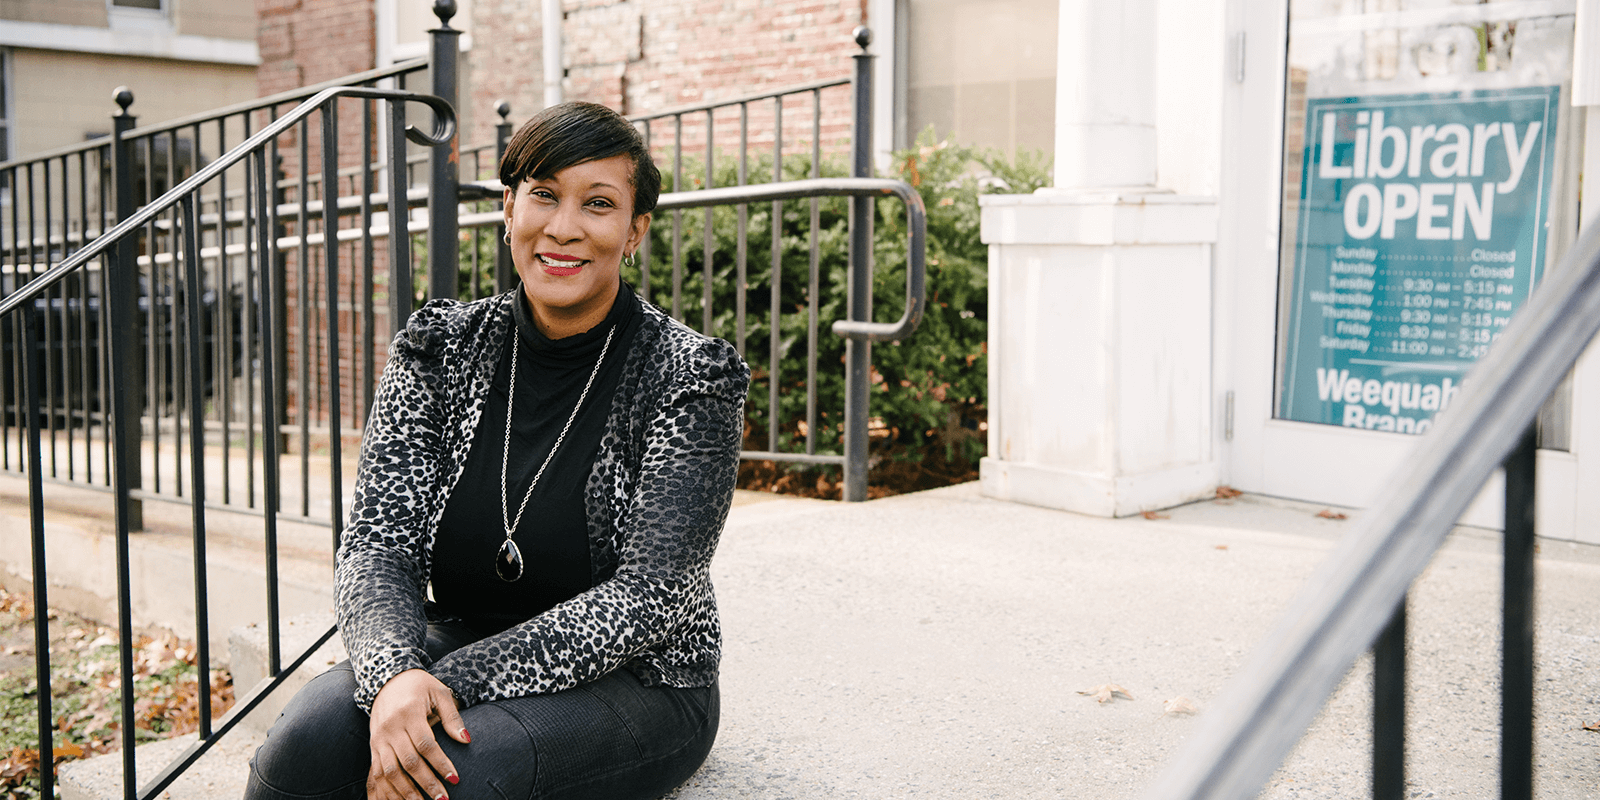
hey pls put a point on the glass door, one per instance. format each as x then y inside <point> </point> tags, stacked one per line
<point>1428,178</point>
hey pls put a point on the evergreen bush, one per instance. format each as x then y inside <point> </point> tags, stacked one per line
<point>928,397</point>
<point>928,406</point>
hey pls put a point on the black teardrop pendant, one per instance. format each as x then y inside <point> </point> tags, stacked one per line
<point>508,562</point>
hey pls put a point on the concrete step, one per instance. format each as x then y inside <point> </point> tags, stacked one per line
<point>80,556</point>
<point>223,770</point>
<point>247,651</point>
<point>220,773</point>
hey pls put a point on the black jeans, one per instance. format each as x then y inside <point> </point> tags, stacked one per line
<point>613,738</point>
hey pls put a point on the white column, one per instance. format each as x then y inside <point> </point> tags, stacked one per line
<point>885,31</point>
<point>1100,296</point>
<point>550,31</point>
<point>1106,94</point>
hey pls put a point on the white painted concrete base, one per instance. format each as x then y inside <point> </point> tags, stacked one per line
<point>1099,495</point>
<point>1100,350</point>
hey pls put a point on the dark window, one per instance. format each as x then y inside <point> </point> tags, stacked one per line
<point>153,5</point>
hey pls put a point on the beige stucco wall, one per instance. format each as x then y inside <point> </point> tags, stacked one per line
<point>983,71</point>
<point>224,19</point>
<point>59,12</point>
<point>62,97</point>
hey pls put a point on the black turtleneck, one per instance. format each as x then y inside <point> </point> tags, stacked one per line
<point>553,533</point>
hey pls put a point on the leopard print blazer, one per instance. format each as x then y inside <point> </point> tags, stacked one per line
<point>656,499</point>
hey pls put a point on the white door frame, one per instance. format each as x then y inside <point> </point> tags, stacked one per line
<point>1324,463</point>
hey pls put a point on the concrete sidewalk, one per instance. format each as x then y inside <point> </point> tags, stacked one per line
<point>936,644</point>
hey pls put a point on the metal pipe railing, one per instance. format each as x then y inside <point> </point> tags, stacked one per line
<point>122,293</point>
<point>301,351</point>
<point>1266,707</point>
<point>812,188</point>
<point>191,217</point>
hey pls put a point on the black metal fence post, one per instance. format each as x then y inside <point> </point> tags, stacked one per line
<point>32,375</point>
<point>1389,709</point>
<point>122,298</point>
<point>330,251</point>
<point>1516,677</point>
<point>505,275</point>
<point>277,271</point>
<point>443,161</point>
<point>192,308</point>
<point>122,303</point>
<point>858,352</point>
<point>400,301</point>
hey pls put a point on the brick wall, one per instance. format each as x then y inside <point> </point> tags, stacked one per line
<point>304,42</point>
<point>637,56</point>
<point>644,56</point>
<point>309,41</point>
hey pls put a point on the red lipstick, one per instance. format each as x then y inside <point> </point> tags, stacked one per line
<point>556,268</point>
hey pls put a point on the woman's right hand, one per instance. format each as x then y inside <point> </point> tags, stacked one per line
<point>405,755</point>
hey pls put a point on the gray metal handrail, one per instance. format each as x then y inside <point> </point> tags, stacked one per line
<point>1266,707</point>
<point>444,128</point>
<point>916,241</point>
<point>118,245</point>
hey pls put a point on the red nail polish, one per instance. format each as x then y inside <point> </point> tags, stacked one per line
<point>452,778</point>
<point>466,737</point>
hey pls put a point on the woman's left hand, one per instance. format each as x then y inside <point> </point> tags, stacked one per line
<point>405,755</point>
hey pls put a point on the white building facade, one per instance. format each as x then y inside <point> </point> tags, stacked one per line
<point>1281,234</point>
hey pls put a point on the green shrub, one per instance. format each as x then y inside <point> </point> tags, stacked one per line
<point>928,395</point>
<point>933,396</point>
<point>927,401</point>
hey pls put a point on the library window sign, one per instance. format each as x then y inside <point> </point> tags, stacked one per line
<point>1420,230</point>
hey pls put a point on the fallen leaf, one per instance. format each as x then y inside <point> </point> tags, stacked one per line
<point>1179,705</point>
<point>1328,513</point>
<point>1222,547</point>
<point>1155,515</point>
<point>1103,692</point>
<point>68,750</point>
<point>1592,726</point>
<point>1227,492</point>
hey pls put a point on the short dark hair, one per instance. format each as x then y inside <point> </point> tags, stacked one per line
<point>572,133</point>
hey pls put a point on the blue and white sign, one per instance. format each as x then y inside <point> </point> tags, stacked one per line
<point>1420,231</point>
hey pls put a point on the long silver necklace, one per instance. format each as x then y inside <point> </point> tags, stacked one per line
<point>508,561</point>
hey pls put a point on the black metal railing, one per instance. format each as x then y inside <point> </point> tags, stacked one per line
<point>55,203</point>
<point>830,124</point>
<point>164,328</point>
<point>117,254</point>
<point>1356,599</point>
<point>794,128</point>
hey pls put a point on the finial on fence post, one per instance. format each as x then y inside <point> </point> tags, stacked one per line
<point>502,108</point>
<point>858,306</point>
<point>125,356</point>
<point>444,10</point>
<point>444,180</point>
<point>123,97</point>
